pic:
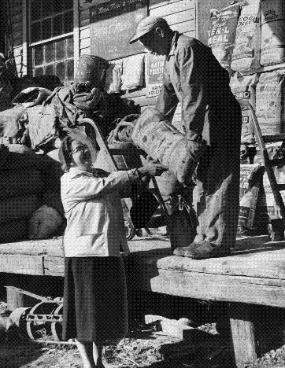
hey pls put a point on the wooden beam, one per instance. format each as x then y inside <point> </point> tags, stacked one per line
<point>242,335</point>
<point>198,285</point>
<point>21,264</point>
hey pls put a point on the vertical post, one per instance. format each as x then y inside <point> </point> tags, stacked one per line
<point>242,334</point>
<point>76,33</point>
<point>25,39</point>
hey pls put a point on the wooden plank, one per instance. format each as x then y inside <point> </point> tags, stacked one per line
<point>190,34</point>
<point>172,8</point>
<point>198,285</point>
<point>21,264</point>
<point>18,51</point>
<point>160,3</point>
<point>85,33</point>
<point>85,43</point>
<point>243,338</point>
<point>53,266</point>
<point>186,16</point>
<point>184,27</point>
<point>85,51</point>
<point>34,247</point>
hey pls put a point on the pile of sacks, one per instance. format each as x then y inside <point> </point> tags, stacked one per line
<point>30,195</point>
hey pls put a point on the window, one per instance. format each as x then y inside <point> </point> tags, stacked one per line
<point>51,38</point>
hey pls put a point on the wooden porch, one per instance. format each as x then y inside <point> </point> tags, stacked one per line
<point>253,274</point>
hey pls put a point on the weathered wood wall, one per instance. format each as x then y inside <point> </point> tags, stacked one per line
<point>14,12</point>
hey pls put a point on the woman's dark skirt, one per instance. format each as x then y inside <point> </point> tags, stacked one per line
<point>95,299</point>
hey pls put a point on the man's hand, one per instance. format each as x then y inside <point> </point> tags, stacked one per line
<point>152,168</point>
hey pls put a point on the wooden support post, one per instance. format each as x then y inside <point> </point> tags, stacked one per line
<point>242,334</point>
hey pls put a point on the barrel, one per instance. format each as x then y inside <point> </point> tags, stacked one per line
<point>91,68</point>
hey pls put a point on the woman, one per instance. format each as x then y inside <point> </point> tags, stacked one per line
<point>95,304</point>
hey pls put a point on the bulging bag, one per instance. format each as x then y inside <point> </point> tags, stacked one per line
<point>222,31</point>
<point>163,142</point>
<point>44,223</point>
<point>246,52</point>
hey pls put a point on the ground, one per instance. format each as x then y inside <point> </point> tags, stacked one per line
<point>208,347</point>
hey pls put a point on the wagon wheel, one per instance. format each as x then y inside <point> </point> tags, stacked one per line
<point>56,327</point>
<point>35,325</point>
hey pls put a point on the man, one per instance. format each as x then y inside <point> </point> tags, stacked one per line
<point>211,118</point>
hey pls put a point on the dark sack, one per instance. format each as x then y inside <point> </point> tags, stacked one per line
<point>144,206</point>
<point>182,226</point>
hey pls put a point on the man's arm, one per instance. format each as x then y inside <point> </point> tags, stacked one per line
<point>194,98</point>
<point>167,100</point>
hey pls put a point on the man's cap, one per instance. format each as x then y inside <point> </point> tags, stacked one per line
<point>146,25</point>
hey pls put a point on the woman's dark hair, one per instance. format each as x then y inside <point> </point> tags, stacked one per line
<point>64,153</point>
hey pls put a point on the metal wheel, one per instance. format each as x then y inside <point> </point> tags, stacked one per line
<point>56,327</point>
<point>38,318</point>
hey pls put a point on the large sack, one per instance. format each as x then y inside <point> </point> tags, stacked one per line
<point>246,52</point>
<point>113,79</point>
<point>13,230</point>
<point>133,72</point>
<point>222,31</point>
<point>9,121</point>
<point>272,32</point>
<point>163,142</point>
<point>18,207</point>
<point>270,100</point>
<point>52,199</point>
<point>44,223</point>
<point>42,125</point>
<point>18,183</point>
<point>32,96</point>
<point>244,90</point>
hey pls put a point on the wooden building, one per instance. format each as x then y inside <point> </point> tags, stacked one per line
<point>48,38</point>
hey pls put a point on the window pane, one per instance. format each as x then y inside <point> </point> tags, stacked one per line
<point>49,70</point>
<point>39,71</point>
<point>57,6</point>
<point>47,8</point>
<point>46,29</point>
<point>70,70</point>
<point>68,4</point>
<point>35,10</point>
<point>70,47</point>
<point>68,22</point>
<point>39,55</point>
<point>60,71</point>
<point>60,50</point>
<point>57,25</point>
<point>49,52</point>
<point>36,32</point>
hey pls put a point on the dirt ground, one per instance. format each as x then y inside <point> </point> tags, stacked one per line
<point>207,346</point>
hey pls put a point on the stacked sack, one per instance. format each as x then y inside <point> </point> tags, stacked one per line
<point>245,37</point>
<point>24,183</point>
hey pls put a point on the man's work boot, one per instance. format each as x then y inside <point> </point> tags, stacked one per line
<point>206,250</point>
<point>181,251</point>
